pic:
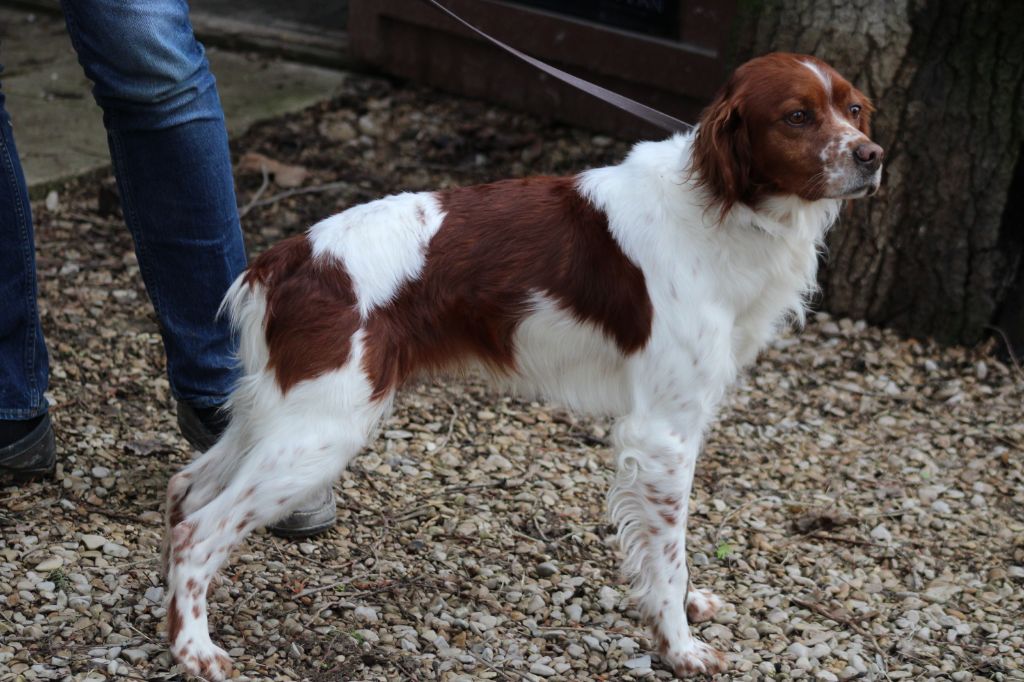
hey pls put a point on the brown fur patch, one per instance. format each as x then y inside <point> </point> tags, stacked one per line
<point>311,312</point>
<point>499,244</point>
<point>173,620</point>
<point>182,535</point>
<point>697,614</point>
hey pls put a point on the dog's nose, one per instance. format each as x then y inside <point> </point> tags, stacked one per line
<point>869,155</point>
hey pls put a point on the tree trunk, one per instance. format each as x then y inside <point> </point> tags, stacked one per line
<point>938,251</point>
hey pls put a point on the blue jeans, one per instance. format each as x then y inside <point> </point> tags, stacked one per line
<point>168,143</point>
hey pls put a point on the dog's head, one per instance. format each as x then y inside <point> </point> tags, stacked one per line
<point>787,124</point>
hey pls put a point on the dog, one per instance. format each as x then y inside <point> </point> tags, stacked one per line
<point>638,290</point>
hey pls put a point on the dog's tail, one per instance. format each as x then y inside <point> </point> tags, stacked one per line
<point>245,304</point>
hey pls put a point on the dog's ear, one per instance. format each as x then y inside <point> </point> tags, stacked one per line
<point>722,156</point>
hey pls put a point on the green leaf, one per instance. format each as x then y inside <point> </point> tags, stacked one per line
<point>724,550</point>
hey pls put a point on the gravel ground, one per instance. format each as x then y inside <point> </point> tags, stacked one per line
<point>860,504</point>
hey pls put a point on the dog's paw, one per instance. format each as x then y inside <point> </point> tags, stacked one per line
<point>206,660</point>
<point>694,658</point>
<point>702,605</point>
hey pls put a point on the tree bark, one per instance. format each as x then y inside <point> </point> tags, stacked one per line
<point>938,251</point>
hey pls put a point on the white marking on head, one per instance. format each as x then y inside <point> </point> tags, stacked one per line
<point>845,122</point>
<point>822,76</point>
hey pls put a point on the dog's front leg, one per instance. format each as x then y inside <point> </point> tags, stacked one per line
<point>649,502</point>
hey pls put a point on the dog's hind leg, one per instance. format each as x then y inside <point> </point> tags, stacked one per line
<point>307,439</point>
<point>202,479</point>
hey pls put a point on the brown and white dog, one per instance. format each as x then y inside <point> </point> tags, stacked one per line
<point>638,290</point>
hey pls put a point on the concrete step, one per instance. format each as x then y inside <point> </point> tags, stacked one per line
<point>58,127</point>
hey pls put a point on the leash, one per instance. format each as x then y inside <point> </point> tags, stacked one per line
<point>641,111</point>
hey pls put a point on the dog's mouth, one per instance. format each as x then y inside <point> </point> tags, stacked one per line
<point>867,189</point>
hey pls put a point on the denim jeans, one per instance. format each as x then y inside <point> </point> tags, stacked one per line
<point>168,144</point>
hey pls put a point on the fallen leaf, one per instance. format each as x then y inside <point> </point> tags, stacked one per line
<point>284,175</point>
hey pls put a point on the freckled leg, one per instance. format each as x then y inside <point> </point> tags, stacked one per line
<point>649,502</point>
<point>702,605</point>
<point>200,481</point>
<point>274,477</point>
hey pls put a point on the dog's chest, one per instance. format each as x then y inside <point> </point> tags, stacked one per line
<point>724,295</point>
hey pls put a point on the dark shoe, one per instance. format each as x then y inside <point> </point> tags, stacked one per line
<point>203,426</point>
<point>31,456</point>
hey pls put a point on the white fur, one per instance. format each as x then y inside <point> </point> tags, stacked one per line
<point>382,243</point>
<point>572,362</point>
<point>246,307</point>
<point>720,288</point>
<point>822,76</point>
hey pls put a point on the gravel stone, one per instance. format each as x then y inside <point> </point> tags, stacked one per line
<point>881,533</point>
<point>50,564</point>
<point>546,569</point>
<point>94,541</point>
<point>628,645</point>
<point>608,598</point>
<point>115,550</point>
<point>639,662</point>
<point>542,670</point>
<point>366,614</point>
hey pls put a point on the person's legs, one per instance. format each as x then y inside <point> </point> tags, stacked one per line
<point>26,440</point>
<point>23,360</point>
<point>170,152</point>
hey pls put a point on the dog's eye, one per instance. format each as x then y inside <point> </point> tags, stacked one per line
<point>797,118</point>
<point>855,110</point>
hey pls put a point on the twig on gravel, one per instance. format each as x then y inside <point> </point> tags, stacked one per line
<point>539,531</point>
<point>415,513</point>
<point>737,510</point>
<point>451,427</point>
<point>392,585</point>
<point>849,541</point>
<point>848,621</point>
<point>314,590</point>
<point>128,518</point>
<point>501,483</point>
<point>525,536</point>
<point>504,675</point>
<point>831,614</point>
<point>1009,348</point>
<point>256,197</point>
<point>141,633</point>
<point>313,189</point>
<point>411,676</point>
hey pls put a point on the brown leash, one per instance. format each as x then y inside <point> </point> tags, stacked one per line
<point>642,111</point>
